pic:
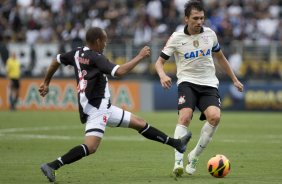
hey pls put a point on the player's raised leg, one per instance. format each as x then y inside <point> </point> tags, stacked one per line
<point>213,116</point>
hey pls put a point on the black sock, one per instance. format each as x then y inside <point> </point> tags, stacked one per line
<point>154,134</point>
<point>73,155</point>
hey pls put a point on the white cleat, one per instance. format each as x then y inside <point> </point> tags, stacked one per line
<point>192,164</point>
<point>178,169</point>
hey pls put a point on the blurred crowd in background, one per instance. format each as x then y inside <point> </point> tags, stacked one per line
<point>249,22</point>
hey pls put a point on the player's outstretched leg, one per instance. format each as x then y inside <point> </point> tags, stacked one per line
<point>154,134</point>
<point>184,141</point>
<point>49,172</point>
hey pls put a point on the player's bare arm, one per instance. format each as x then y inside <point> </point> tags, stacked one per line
<point>44,87</point>
<point>127,67</point>
<point>164,78</point>
<point>225,65</point>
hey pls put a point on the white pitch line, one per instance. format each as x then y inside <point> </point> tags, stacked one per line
<point>16,133</point>
<point>110,138</point>
<point>19,133</point>
<point>16,130</point>
<point>59,137</point>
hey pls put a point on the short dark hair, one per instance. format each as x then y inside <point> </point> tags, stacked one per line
<point>193,4</point>
<point>93,34</point>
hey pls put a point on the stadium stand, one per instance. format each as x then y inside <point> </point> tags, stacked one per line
<point>39,28</point>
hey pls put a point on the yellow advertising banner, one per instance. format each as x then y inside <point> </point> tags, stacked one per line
<point>63,95</point>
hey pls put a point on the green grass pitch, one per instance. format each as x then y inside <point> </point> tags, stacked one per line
<point>252,142</point>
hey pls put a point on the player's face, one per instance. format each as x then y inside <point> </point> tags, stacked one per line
<point>195,21</point>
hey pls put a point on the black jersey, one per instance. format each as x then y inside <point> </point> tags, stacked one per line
<point>90,69</point>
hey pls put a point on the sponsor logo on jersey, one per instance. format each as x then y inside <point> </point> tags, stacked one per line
<point>83,60</point>
<point>197,54</point>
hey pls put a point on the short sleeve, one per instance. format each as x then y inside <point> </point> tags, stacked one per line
<point>105,66</point>
<point>66,58</point>
<point>169,48</point>
<point>216,46</point>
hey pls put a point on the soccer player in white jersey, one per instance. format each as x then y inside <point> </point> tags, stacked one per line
<point>197,83</point>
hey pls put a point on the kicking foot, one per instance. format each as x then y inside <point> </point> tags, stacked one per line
<point>192,164</point>
<point>184,141</point>
<point>178,169</point>
<point>48,171</point>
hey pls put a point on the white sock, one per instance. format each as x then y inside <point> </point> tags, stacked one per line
<point>180,131</point>
<point>205,137</point>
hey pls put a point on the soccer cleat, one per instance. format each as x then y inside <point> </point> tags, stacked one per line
<point>192,165</point>
<point>48,171</point>
<point>184,140</point>
<point>178,169</point>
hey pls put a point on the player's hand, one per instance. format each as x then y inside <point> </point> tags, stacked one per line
<point>166,81</point>
<point>239,86</point>
<point>145,52</point>
<point>43,89</point>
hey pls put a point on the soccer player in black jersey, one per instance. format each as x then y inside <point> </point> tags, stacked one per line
<point>96,111</point>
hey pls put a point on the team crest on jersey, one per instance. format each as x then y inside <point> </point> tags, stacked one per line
<point>181,100</point>
<point>196,43</point>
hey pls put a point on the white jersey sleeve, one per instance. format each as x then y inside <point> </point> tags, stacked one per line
<point>216,46</point>
<point>170,46</point>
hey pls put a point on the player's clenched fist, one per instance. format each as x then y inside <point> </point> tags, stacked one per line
<point>145,51</point>
<point>43,89</point>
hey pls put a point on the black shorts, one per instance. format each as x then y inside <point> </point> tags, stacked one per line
<point>15,83</point>
<point>192,95</point>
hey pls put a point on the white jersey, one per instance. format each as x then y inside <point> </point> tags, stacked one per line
<point>193,56</point>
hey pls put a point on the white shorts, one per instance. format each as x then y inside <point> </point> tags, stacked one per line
<point>98,120</point>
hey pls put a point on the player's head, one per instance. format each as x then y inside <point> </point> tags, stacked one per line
<point>96,39</point>
<point>194,15</point>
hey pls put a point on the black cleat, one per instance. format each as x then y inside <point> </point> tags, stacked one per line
<point>184,141</point>
<point>48,171</point>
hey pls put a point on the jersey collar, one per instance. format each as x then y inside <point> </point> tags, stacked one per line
<point>186,30</point>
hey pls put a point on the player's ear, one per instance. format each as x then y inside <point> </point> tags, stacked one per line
<point>186,19</point>
<point>98,41</point>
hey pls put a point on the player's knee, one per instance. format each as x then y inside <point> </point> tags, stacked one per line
<point>214,119</point>
<point>184,119</point>
<point>92,149</point>
<point>137,123</point>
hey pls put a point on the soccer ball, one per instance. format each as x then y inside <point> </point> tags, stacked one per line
<point>219,166</point>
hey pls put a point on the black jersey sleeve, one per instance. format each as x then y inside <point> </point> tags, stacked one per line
<point>66,58</point>
<point>104,65</point>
